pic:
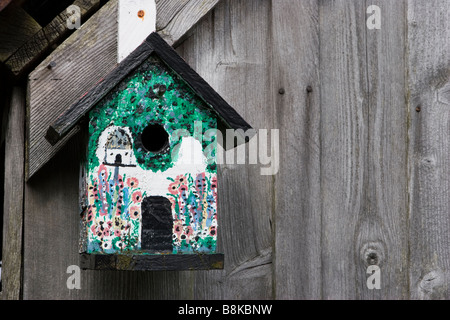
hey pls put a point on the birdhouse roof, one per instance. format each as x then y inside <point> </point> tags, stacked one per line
<point>154,44</point>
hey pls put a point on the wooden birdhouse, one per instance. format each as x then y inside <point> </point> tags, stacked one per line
<point>149,180</point>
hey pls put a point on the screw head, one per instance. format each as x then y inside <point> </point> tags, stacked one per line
<point>51,65</point>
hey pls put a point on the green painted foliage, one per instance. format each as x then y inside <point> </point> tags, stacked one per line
<point>136,103</point>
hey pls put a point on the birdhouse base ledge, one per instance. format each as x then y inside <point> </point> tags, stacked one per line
<point>168,262</point>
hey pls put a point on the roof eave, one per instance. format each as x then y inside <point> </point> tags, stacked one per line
<point>153,44</point>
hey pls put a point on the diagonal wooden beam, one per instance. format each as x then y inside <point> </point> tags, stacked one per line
<point>176,18</point>
<point>86,57</point>
<point>38,44</point>
<point>4,4</point>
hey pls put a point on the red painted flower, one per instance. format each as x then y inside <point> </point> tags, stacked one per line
<point>182,188</point>
<point>137,197</point>
<point>133,182</point>
<point>172,201</point>
<point>178,228</point>
<point>173,188</point>
<point>135,212</point>
<point>94,229</point>
<point>188,231</point>
<point>90,215</point>
<point>106,233</point>
<point>214,182</point>
<point>180,180</point>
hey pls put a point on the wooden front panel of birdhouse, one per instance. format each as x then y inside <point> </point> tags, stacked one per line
<point>150,172</point>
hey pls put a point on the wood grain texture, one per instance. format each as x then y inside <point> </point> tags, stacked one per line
<point>176,18</point>
<point>16,28</point>
<point>13,198</point>
<point>163,262</point>
<point>86,57</point>
<point>364,157</point>
<point>364,176</point>
<point>42,39</point>
<point>429,93</point>
<point>245,236</point>
<point>230,48</point>
<point>52,91</point>
<point>297,233</point>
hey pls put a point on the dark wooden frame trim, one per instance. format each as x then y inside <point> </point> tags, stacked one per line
<point>20,62</point>
<point>153,44</point>
<point>168,262</point>
<point>13,203</point>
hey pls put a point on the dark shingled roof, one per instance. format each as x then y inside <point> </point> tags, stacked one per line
<point>154,44</point>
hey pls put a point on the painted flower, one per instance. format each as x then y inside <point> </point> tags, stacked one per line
<point>132,182</point>
<point>135,212</point>
<point>173,188</point>
<point>213,231</point>
<point>188,231</point>
<point>180,180</point>
<point>118,223</point>
<point>172,201</point>
<point>214,182</point>
<point>106,232</point>
<point>200,182</point>
<point>182,189</point>
<point>178,228</point>
<point>137,197</point>
<point>91,213</point>
<point>120,245</point>
<point>94,230</point>
<point>106,245</point>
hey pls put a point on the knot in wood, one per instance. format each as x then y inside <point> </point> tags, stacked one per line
<point>373,253</point>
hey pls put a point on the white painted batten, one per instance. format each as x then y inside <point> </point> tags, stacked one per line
<point>137,20</point>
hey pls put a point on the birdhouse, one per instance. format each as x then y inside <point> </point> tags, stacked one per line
<point>149,179</point>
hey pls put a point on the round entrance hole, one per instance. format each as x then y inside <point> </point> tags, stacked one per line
<point>154,138</point>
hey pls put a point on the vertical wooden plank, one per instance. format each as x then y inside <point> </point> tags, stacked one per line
<point>343,140</point>
<point>296,87</point>
<point>13,197</point>
<point>364,153</point>
<point>381,233</point>
<point>429,107</point>
<point>137,19</point>
<point>231,50</point>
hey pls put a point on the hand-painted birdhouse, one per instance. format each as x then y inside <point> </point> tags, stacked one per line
<point>149,181</point>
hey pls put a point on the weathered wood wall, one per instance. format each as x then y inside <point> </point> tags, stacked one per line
<point>364,160</point>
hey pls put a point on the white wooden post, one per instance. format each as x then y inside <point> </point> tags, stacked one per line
<point>137,20</point>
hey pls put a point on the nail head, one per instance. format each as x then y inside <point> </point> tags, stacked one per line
<point>51,65</point>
